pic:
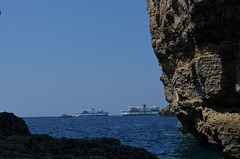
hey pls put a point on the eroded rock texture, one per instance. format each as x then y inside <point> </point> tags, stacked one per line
<point>167,111</point>
<point>197,43</point>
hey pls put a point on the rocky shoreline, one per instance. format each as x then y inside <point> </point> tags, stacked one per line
<point>16,142</point>
<point>197,43</point>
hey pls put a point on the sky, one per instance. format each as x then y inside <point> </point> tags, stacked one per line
<point>64,56</point>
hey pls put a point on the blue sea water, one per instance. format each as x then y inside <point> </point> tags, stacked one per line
<point>156,134</point>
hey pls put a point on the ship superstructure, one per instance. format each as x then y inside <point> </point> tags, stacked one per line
<point>92,112</point>
<point>143,110</point>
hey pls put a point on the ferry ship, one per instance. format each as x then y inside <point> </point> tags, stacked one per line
<point>143,110</point>
<point>92,112</point>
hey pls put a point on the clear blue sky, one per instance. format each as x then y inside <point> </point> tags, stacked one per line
<point>64,56</point>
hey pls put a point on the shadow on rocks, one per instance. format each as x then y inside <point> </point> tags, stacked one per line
<point>16,142</point>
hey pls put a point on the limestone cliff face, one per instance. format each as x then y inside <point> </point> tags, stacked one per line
<point>197,43</point>
<point>167,111</point>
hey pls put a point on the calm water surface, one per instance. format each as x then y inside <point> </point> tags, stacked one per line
<point>156,134</point>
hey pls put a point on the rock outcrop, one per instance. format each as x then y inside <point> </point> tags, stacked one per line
<point>167,111</point>
<point>16,142</point>
<point>197,43</point>
<point>12,125</point>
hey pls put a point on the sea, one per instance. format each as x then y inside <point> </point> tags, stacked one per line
<point>158,135</point>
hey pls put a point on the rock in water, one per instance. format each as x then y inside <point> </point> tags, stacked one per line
<point>12,125</point>
<point>16,142</point>
<point>197,43</point>
<point>167,111</point>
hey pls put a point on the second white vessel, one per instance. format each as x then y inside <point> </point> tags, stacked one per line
<point>92,112</point>
<point>143,110</point>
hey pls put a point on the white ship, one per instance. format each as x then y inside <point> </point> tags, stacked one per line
<point>92,112</point>
<point>143,110</point>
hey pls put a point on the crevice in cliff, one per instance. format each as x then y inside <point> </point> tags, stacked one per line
<point>237,65</point>
<point>190,124</point>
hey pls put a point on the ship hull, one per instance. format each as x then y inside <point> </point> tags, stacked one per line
<point>91,114</point>
<point>64,116</point>
<point>126,113</point>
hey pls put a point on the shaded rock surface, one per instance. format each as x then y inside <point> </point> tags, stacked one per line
<point>197,43</point>
<point>167,111</point>
<point>12,125</point>
<point>16,142</point>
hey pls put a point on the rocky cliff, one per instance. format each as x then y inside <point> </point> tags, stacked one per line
<point>197,43</point>
<point>167,111</point>
<point>16,142</point>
